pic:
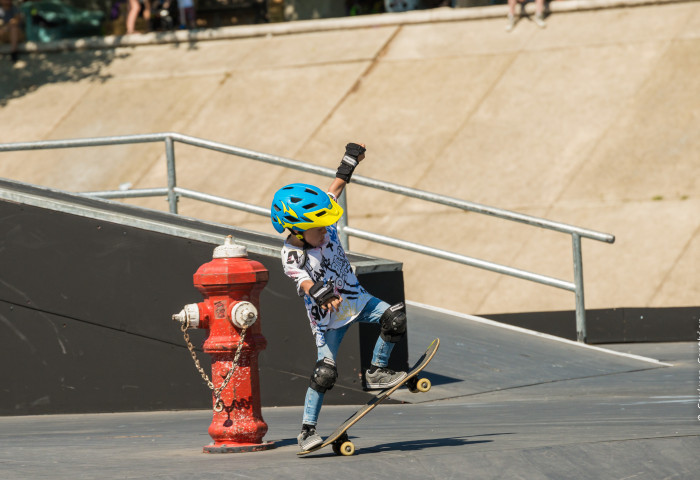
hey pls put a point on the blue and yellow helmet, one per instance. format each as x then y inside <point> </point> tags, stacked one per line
<point>300,207</point>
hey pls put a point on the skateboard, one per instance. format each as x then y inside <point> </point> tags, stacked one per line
<point>339,438</point>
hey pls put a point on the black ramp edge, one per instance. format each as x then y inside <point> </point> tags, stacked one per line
<point>87,291</point>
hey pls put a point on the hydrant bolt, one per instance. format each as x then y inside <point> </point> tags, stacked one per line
<point>188,313</point>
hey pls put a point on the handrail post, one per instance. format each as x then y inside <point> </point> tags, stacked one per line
<point>172,181</point>
<point>343,221</point>
<point>581,334</point>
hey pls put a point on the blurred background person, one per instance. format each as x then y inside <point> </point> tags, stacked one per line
<point>11,27</point>
<point>134,9</point>
<point>512,19</point>
<point>187,14</point>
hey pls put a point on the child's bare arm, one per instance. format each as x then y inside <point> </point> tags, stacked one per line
<point>337,187</point>
<point>306,286</point>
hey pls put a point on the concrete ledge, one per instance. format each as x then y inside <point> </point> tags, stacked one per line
<point>444,14</point>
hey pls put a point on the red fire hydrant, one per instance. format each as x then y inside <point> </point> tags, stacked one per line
<point>231,284</point>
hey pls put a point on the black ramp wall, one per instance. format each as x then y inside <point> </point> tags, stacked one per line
<point>87,291</point>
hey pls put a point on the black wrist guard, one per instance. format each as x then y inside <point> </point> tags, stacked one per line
<point>349,162</point>
<point>322,292</point>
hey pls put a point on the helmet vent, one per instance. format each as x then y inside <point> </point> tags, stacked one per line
<point>320,214</point>
<point>312,192</point>
<point>295,199</point>
<point>307,206</point>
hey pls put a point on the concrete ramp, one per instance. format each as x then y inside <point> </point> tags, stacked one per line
<point>591,121</point>
<point>479,356</point>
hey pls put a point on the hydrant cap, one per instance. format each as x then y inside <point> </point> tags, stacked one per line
<point>230,249</point>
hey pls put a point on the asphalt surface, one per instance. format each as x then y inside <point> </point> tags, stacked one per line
<point>504,404</point>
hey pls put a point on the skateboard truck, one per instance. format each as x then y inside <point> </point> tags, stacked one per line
<point>416,385</point>
<point>343,446</point>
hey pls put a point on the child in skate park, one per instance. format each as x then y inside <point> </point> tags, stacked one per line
<point>315,260</point>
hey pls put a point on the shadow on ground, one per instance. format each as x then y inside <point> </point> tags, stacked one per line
<point>413,445</point>
<point>406,446</point>
<point>38,69</point>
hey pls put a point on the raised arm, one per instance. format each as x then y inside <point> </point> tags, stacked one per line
<point>337,187</point>
<point>354,154</point>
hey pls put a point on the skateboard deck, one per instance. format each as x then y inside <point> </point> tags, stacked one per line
<point>339,438</point>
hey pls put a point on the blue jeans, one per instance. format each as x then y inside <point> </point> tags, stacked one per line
<point>372,312</point>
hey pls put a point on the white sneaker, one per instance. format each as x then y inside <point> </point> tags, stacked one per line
<point>539,20</point>
<point>511,22</point>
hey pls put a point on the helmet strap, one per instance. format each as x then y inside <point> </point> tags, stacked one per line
<point>297,233</point>
<point>306,246</point>
<point>300,236</point>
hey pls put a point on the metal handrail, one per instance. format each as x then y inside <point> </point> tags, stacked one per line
<point>173,192</point>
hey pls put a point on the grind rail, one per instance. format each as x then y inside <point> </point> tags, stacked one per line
<point>173,192</point>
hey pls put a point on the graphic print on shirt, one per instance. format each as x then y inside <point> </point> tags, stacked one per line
<point>329,264</point>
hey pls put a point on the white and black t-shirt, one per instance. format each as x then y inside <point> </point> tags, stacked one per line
<point>329,264</point>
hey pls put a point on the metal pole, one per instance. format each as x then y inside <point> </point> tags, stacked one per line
<point>581,334</point>
<point>343,222</point>
<point>455,257</point>
<point>172,182</point>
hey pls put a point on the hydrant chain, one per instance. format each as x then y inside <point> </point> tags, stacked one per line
<point>190,347</point>
<point>217,391</point>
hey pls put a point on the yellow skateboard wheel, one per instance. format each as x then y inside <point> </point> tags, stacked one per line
<point>423,385</point>
<point>347,448</point>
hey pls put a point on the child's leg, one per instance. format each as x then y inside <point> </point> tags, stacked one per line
<point>133,12</point>
<point>511,7</point>
<point>372,313</point>
<point>382,352</point>
<point>539,7</point>
<point>392,321</point>
<point>314,399</point>
<point>183,17</point>
<point>191,21</point>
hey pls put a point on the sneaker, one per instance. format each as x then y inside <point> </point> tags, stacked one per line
<point>511,22</point>
<point>383,378</point>
<point>539,20</point>
<point>308,438</point>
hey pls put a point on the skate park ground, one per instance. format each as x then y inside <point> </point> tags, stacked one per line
<point>504,404</point>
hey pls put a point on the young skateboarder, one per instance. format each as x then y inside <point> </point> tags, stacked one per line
<point>314,258</point>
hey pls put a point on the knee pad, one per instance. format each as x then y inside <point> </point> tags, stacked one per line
<point>324,376</point>
<point>393,323</point>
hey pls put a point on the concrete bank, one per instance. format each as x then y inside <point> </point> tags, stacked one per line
<point>576,123</point>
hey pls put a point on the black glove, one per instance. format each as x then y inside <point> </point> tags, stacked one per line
<point>322,292</point>
<point>349,162</point>
<point>354,150</point>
